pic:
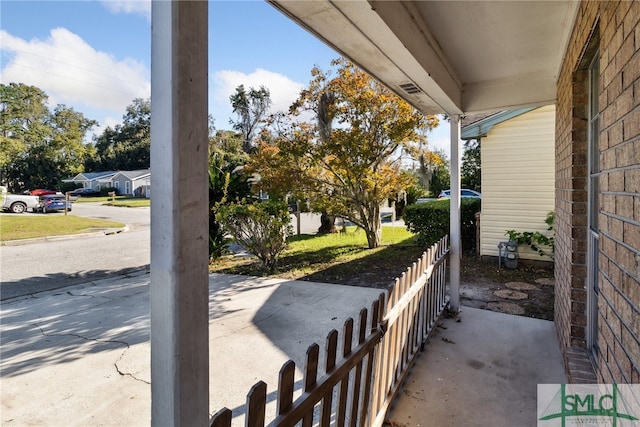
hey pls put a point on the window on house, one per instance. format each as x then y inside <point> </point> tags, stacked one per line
<point>593,203</point>
<point>594,146</point>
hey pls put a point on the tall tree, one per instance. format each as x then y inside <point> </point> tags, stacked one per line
<point>350,168</point>
<point>23,111</point>
<point>471,171</point>
<point>431,166</point>
<point>441,177</point>
<point>127,146</point>
<point>38,148</point>
<point>226,181</point>
<point>252,108</point>
<point>325,115</point>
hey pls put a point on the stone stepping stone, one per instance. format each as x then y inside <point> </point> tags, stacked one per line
<point>505,307</point>
<point>521,286</point>
<point>546,281</point>
<point>510,294</point>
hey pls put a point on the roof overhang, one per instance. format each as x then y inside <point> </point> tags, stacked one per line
<point>481,128</point>
<point>452,57</point>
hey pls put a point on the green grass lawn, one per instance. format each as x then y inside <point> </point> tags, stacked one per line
<point>123,201</point>
<point>336,258</point>
<point>86,199</point>
<point>129,202</point>
<point>31,226</point>
<point>338,244</point>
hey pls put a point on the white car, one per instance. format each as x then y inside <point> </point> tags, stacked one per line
<point>463,193</point>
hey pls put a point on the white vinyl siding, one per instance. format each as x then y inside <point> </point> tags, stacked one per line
<point>518,181</point>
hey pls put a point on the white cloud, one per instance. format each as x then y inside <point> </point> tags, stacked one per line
<point>138,7</point>
<point>73,73</point>
<point>283,91</point>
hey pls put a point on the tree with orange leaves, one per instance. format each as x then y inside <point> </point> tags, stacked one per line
<point>339,146</point>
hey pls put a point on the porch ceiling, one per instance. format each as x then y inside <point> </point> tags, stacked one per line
<point>448,56</point>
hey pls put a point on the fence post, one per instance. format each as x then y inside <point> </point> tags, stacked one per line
<point>222,418</point>
<point>256,402</point>
<point>286,384</point>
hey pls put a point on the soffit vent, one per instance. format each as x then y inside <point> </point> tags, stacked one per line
<point>410,88</point>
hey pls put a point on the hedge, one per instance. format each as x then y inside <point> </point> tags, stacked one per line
<point>430,221</point>
<point>104,192</point>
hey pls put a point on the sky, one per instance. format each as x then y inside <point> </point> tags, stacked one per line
<point>95,56</point>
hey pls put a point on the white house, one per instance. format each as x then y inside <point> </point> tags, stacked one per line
<point>518,174</point>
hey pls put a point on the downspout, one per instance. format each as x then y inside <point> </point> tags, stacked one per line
<point>454,218</point>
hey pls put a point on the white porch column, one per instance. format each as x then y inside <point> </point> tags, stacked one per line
<point>179,214</point>
<point>454,233</point>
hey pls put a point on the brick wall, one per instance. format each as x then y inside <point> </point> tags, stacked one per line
<point>613,27</point>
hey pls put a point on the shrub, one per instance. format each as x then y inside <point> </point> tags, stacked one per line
<point>69,186</point>
<point>106,190</point>
<point>261,228</point>
<point>431,220</point>
<point>218,239</point>
<point>541,243</point>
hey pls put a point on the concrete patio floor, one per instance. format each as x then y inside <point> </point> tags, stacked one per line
<point>79,356</point>
<point>480,369</point>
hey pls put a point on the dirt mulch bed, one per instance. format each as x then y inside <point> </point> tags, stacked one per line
<point>527,290</point>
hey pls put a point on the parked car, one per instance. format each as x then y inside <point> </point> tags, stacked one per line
<point>463,193</point>
<point>41,192</point>
<point>86,192</point>
<point>52,203</point>
<point>19,203</point>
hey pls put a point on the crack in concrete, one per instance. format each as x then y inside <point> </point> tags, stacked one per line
<point>115,364</point>
<point>80,336</point>
<point>80,295</point>
<point>128,374</point>
<point>107,299</point>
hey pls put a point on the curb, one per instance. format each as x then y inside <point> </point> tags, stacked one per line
<point>106,232</point>
<point>91,280</point>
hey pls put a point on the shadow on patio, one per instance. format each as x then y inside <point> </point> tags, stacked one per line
<point>480,368</point>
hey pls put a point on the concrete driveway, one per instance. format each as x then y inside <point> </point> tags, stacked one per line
<point>80,356</point>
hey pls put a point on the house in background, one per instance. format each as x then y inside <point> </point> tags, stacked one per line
<point>518,174</point>
<point>129,183</point>
<point>133,183</point>
<point>93,180</point>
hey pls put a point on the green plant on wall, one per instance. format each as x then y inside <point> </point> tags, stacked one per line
<point>541,243</point>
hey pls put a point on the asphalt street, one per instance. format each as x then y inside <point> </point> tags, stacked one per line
<point>38,265</point>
